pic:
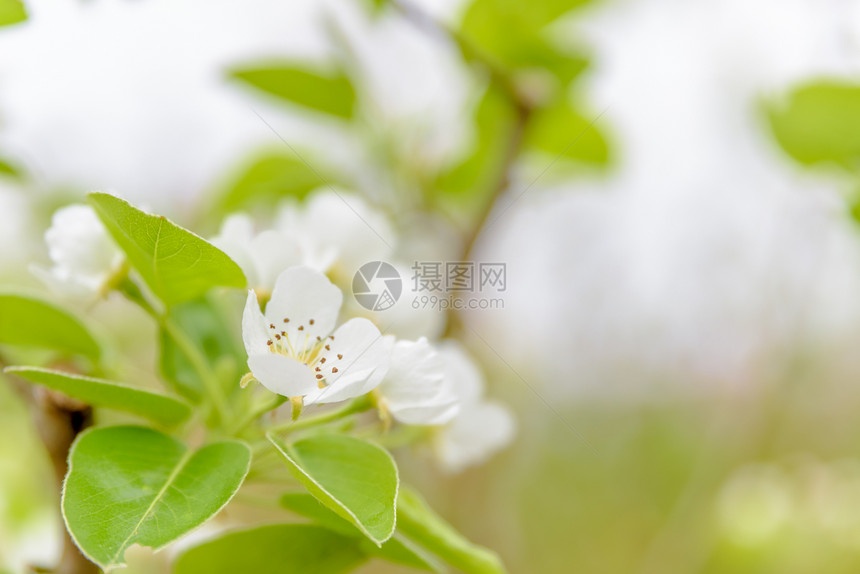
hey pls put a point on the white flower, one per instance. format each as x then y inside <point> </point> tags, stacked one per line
<point>262,256</point>
<point>291,352</point>
<point>414,391</point>
<point>482,427</point>
<point>338,231</point>
<point>85,257</point>
<point>404,319</point>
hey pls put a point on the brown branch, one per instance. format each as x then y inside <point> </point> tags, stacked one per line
<point>520,102</point>
<point>58,419</point>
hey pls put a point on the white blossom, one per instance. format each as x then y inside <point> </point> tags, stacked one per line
<point>414,391</point>
<point>292,350</point>
<point>338,231</point>
<point>85,257</point>
<point>262,256</point>
<point>482,427</point>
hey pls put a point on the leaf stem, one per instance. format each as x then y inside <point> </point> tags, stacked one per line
<point>359,405</point>
<point>199,364</point>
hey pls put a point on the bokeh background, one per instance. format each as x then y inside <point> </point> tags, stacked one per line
<point>680,332</point>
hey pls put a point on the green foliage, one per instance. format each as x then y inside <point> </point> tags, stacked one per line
<point>108,394</point>
<point>175,263</point>
<point>330,93</point>
<point>819,123</point>
<point>494,123</point>
<point>418,521</point>
<point>274,549</point>
<point>31,322</point>
<point>270,178</point>
<point>396,549</point>
<point>12,12</point>
<point>356,479</point>
<point>133,485</point>
<point>205,327</point>
<point>511,33</point>
<point>560,130</point>
<point>7,168</point>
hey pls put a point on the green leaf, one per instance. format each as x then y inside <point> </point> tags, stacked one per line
<point>274,549</point>
<point>494,123</point>
<point>560,130</point>
<point>12,12</point>
<point>396,549</point>
<point>108,394</point>
<point>176,264</point>
<point>819,123</point>
<point>32,322</point>
<point>355,478</point>
<point>6,167</point>
<point>328,93</point>
<point>210,331</point>
<point>134,485</point>
<point>269,178</point>
<point>420,523</point>
<point>511,32</point>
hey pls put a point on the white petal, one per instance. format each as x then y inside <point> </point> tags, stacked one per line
<point>281,374</point>
<point>234,239</point>
<point>414,389</point>
<point>340,224</point>
<point>463,378</point>
<point>402,319</point>
<point>302,295</point>
<point>79,244</point>
<point>363,362</point>
<point>273,252</point>
<point>254,332</point>
<point>478,432</point>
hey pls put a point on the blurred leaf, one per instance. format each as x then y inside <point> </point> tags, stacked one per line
<point>269,178</point>
<point>559,130</point>
<point>32,322</point>
<point>134,485</point>
<point>108,394</point>
<point>176,264</point>
<point>332,94</point>
<point>7,168</point>
<point>494,121</point>
<point>396,549</point>
<point>12,12</point>
<point>274,549</point>
<point>210,331</point>
<point>512,33</point>
<point>819,122</point>
<point>356,479</point>
<point>420,523</point>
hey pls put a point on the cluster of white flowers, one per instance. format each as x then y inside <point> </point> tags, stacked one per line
<point>295,347</point>
<point>84,256</point>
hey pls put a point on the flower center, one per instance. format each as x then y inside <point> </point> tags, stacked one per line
<point>314,352</point>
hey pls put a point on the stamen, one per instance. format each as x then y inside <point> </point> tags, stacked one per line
<point>327,348</point>
<point>311,322</point>
<point>277,336</point>
<point>301,327</point>
<point>339,356</point>
<point>319,376</point>
<point>334,369</point>
<point>286,320</point>
<point>269,342</point>
<point>322,360</point>
<point>271,325</point>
